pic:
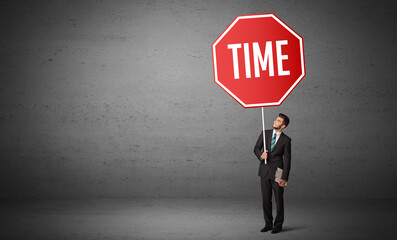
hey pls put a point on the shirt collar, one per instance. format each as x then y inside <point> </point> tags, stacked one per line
<point>278,133</point>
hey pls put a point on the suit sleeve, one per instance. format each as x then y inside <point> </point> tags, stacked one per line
<point>287,161</point>
<point>258,147</point>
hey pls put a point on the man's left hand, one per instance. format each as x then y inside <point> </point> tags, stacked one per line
<point>282,183</point>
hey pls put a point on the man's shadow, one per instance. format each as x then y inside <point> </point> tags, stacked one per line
<point>292,228</point>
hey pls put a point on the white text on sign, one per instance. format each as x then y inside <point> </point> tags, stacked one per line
<point>263,61</point>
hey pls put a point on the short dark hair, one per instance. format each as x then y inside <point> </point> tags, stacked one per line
<point>285,119</point>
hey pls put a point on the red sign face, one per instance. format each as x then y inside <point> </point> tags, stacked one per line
<point>258,60</point>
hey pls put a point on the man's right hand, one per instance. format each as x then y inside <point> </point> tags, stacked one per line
<point>264,155</point>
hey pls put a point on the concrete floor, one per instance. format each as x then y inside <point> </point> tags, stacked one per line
<point>195,219</point>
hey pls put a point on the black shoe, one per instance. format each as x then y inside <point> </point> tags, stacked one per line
<point>266,228</point>
<point>277,230</point>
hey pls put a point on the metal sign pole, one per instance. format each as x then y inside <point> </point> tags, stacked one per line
<point>264,137</point>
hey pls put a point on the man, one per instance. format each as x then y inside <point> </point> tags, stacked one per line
<point>278,155</point>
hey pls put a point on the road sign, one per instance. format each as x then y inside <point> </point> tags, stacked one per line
<point>258,60</point>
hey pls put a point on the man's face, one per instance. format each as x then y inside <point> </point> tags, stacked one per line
<point>278,123</point>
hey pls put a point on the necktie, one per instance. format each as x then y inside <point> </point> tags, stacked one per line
<point>273,142</point>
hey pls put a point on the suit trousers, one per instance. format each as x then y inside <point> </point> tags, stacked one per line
<point>267,185</point>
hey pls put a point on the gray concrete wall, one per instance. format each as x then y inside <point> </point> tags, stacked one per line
<point>117,99</point>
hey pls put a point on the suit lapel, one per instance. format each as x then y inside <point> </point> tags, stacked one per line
<point>268,139</point>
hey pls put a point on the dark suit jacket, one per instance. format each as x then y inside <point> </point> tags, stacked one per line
<point>279,157</point>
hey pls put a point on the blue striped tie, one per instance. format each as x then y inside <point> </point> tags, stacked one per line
<point>273,142</point>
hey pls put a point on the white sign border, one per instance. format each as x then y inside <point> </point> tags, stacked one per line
<point>289,90</point>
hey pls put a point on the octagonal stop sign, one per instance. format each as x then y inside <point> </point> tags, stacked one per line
<point>258,60</point>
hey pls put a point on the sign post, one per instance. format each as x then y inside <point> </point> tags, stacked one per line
<point>258,60</point>
<point>264,135</point>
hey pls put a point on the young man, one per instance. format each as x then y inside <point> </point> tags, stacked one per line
<point>278,155</point>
